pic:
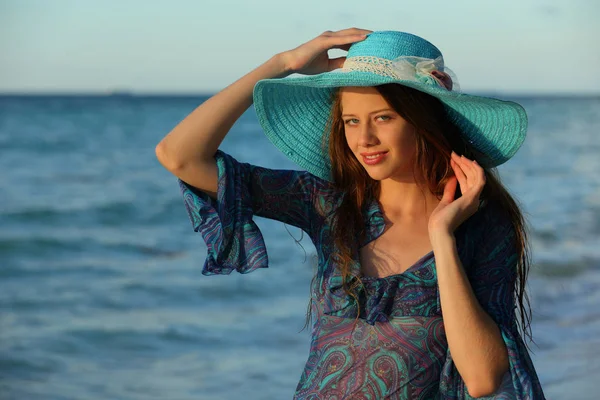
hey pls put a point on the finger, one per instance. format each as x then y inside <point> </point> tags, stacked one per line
<point>477,172</point>
<point>336,63</point>
<point>352,31</point>
<point>462,179</point>
<point>462,168</point>
<point>480,174</point>
<point>468,169</point>
<point>454,156</point>
<point>342,42</point>
<point>449,190</point>
<point>461,160</point>
<point>474,172</point>
<point>443,78</point>
<point>346,47</point>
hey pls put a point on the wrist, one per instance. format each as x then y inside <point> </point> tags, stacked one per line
<point>441,238</point>
<point>282,64</point>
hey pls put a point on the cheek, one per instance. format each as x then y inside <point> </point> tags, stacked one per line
<point>350,141</point>
<point>408,146</point>
<point>405,142</point>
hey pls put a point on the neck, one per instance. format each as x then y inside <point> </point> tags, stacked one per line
<point>405,199</point>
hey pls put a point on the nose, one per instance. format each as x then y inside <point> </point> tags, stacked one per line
<point>367,136</point>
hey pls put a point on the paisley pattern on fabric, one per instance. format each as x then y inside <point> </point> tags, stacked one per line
<point>391,344</point>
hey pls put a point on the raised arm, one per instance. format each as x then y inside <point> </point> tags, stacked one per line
<point>188,150</point>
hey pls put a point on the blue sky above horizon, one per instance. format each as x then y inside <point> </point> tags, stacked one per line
<point>184,46</point>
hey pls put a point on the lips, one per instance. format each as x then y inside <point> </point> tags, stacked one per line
<point>373,158</point>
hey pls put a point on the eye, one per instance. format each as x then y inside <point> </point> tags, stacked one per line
<point>352,121</point>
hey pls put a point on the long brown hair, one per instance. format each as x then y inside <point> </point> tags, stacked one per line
<point>436,137</point>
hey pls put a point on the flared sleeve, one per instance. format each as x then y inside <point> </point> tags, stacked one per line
<point>233,240</point>
<point>492,276</point>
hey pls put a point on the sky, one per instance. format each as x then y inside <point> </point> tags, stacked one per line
<point>201,46</point>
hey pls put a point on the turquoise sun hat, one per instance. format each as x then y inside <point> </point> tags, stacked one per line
<point>294,111</point>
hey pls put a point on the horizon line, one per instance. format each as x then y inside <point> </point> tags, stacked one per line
<point>201,93</point>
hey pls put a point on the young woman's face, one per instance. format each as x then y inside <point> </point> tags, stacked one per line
<point>381,140</point>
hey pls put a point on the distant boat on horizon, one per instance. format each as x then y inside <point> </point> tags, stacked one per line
<point>120,93</point>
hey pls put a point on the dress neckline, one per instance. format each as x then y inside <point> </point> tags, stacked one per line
<point>420,262</point>
<point>375,223</point>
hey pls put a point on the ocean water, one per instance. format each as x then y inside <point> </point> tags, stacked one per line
<point>101,295</point>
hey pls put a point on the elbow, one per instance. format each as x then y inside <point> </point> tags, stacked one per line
<point>480,391</point>
<point>484,387</point>
<point>164,159</point>
<point>488,383</point>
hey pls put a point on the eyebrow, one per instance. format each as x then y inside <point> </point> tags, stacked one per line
<point>373,112</point>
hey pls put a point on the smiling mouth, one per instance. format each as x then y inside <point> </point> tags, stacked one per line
<point>373,153</point>
<point>373,158</point>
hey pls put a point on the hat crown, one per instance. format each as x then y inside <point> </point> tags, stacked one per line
<point>393,44</point>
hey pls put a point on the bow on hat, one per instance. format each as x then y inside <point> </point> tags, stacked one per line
<point>411,68</point>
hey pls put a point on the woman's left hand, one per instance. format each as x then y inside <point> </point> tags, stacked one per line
<point>450,213</point>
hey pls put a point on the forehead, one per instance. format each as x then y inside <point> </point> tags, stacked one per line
<point>361,99</point>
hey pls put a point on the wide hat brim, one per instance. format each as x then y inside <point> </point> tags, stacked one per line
<point>294,113</point>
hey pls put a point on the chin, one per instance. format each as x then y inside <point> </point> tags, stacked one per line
<point>382,172</point>
<point>377,174</point>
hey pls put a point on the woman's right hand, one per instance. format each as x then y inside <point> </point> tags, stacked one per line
<point>311,57</point>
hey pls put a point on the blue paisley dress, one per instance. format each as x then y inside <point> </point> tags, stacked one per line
<point>398,347</point>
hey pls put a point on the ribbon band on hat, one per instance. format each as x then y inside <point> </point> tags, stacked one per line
<point>411,68</point>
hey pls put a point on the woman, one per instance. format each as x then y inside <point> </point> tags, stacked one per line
<point>414,296</point>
